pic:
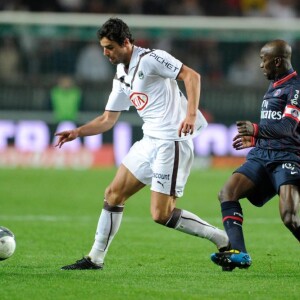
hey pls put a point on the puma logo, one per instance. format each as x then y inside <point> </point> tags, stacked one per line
<point>162,184</point>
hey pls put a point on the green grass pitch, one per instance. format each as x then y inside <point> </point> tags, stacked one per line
<point>54,213</point>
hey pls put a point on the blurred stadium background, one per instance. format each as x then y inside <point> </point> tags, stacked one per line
<point>53,76</point>
<point>49,52</point>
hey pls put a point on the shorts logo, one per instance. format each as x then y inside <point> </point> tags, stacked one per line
<point>291,167</point>
<point>161,183</point>
<point>139,100</point>
<point>161,176</point>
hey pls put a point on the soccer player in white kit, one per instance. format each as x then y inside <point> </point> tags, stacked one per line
<point>163,158</point>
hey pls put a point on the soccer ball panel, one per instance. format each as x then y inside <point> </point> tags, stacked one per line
<point>7,243</point>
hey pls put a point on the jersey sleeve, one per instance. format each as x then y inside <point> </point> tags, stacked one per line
<point>163,64</point>
<point>118,100</point>
<point>290,119</point>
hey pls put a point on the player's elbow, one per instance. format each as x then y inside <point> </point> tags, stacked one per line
<point>194,77</point>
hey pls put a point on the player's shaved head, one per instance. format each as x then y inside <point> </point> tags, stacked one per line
<point>278,48</point>
<point>276,58</point>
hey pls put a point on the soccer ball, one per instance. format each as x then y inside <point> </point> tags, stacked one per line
<point>7,243</point>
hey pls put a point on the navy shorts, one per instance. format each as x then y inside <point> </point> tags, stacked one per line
<point>269,169</point>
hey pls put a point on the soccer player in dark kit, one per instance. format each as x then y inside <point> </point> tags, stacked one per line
<point>273,165</point>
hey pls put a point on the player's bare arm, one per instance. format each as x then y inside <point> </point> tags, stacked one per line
<point>192,83</point>
<point>99,125</point>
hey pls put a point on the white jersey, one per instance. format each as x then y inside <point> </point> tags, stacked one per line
<point>151,87</point>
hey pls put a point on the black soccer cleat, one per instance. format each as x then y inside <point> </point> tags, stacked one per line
<point>83,264</point>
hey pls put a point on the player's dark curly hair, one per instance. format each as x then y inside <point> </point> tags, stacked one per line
<point>115,30</point>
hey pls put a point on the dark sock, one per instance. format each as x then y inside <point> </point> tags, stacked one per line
<point>232,221</point>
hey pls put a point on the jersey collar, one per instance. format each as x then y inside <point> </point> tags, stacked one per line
<point>121,67</point>
<point>134,57</point>
<point>290,74</point>
<point>133,61</point>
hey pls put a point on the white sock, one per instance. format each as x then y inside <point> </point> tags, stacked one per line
<point>189,223</point>
<point>108,225</point>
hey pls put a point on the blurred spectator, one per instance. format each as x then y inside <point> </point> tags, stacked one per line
<point>186,7</point>
<point>12,5</point>
<point>253,8</point>
<point>221,7</point>
<point>155,7</point>
<point>92,65</point>
<point>96,6</point>
<point>246,69</point>
<point>65,99</point>
<point>205,57</point>
<point>57,57</point>
<point>71,5</point>
<point>34,5</point>
<point>10,60</point>
<point>282,9</point>
<point>234,6</point>
<point>128,6</point>
<point>212,60</point>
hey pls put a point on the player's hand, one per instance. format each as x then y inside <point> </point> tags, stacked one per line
<point>187,126</point>
<point>246,128</point>
<point>243,142</point>
<point>66,136</point>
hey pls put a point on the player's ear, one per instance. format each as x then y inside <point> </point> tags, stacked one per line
<point>126,42</point>
<point>277,61</point>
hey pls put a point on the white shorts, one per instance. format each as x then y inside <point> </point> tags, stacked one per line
<point>165,165</point>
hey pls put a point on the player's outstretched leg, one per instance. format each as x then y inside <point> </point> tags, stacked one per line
<point>189,223</point>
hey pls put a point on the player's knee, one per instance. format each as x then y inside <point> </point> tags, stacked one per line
<point>227,194</point>
<point>220,196</point>
<point>287,219</point>
<point>114,197</point>
<point>224,195</point>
